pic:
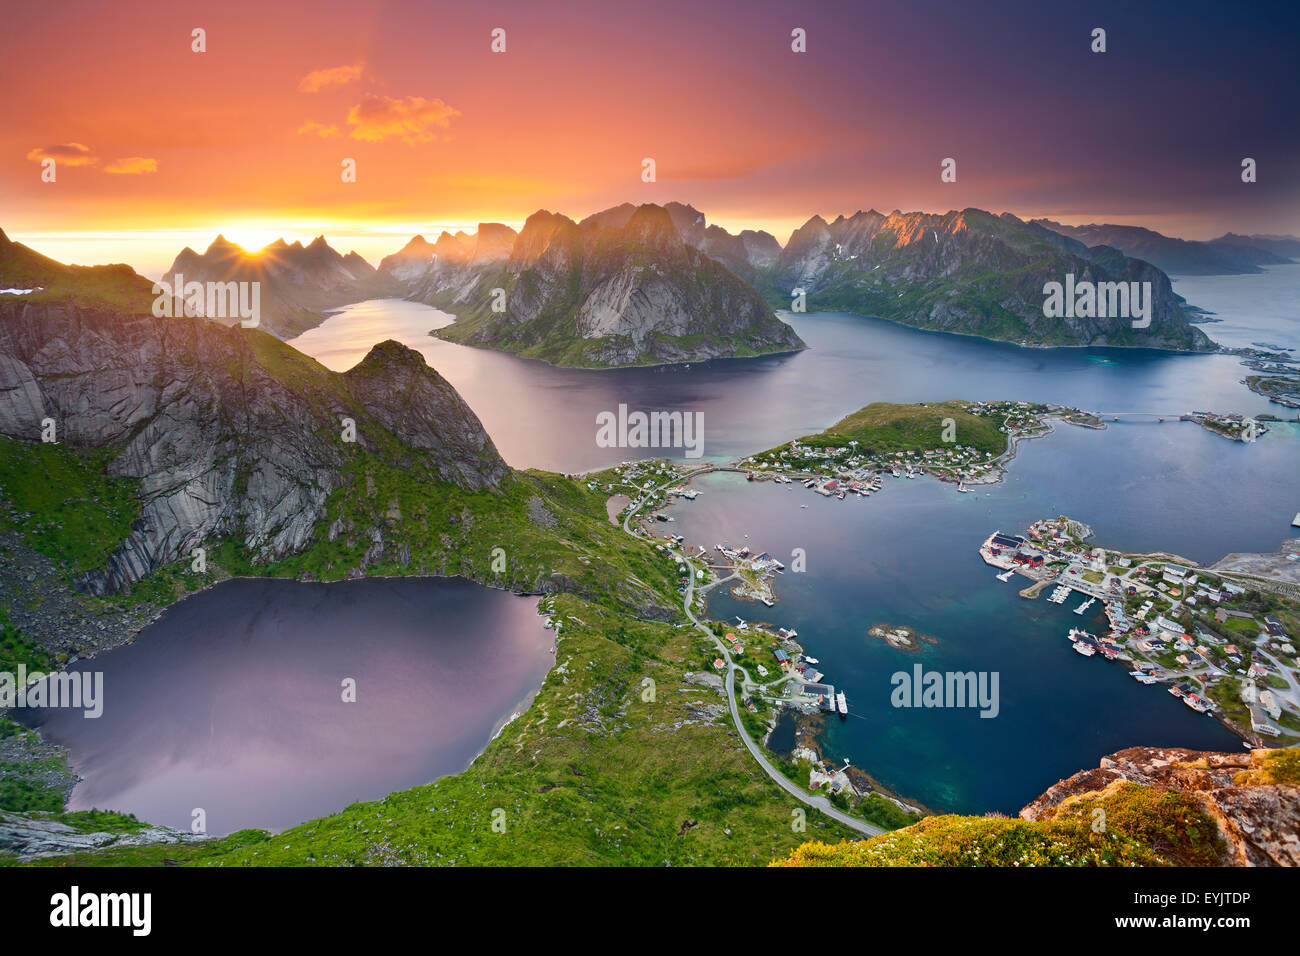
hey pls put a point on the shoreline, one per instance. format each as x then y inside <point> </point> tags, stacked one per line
<point>1117,636</point>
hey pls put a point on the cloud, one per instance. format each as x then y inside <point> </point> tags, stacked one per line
<point>132,166</point>
<point>65,154</point>
<point>412,118</point>
<point>318,80</point>
<point>320,129</point>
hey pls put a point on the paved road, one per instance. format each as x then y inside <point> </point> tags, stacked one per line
<point>803,796</point>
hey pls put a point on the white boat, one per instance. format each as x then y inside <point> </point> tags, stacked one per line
<point>842,704</point>
<point>1087,650</point>
<point>810,660</point>
<point>1142,678</point>
<point>1194,702</point>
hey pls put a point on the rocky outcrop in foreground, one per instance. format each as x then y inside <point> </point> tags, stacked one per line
<point>30,836</point>
<point>1144,806</point>
<point>1257,814</point>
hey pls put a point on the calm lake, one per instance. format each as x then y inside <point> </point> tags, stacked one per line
<point>233,700</point>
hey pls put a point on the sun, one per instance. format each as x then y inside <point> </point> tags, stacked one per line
<point>251,239</point>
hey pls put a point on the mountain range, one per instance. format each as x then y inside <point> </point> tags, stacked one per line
<point>623,287</point>
<point>969,272</point>
<point>619,288</point>
<point>650,284</point>
<point>299,284</point>
<point>1228,255</point>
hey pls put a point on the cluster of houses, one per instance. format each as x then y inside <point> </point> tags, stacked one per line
<point>1192,623</point>
<point>1236,427</point>
<point>1016,416</point>
<point>957,460</point>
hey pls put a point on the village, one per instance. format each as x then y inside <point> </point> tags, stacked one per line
<point>784,678</point>
<point>1217,644</point>
<point>1222,646</point>
<point>852,469</point>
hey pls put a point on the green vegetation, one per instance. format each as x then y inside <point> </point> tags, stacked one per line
<point>24,785</point>
<point>552,532</point>
<point>115,286</point>
<point>1143,827</point>
<point>997,294</point>
<point>716,300</point>
<point>885,428</point>
<point>99,821</point>
<point>15,649</point>
<point>884,812</point>
<point>157,854</point>
<point>593,774</point>
<point>955,440</point>
<point>63,503</point>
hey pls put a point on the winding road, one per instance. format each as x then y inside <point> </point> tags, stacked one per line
<point>815,801</point>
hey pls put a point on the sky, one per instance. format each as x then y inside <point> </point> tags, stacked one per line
<point>157,146</point>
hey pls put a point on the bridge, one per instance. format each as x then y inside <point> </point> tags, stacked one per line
<point>1143,416</point>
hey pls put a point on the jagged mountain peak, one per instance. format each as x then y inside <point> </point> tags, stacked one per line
<point>653,223</point>
<point>389,354</point>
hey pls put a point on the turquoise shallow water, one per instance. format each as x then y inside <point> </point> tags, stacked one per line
<point>909,556</point>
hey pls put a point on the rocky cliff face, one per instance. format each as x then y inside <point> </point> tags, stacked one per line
<point>1252,797</point>
<point>31,836</point>
<point>621,288</point>
<point>409,262</point>
<point>298,283</point>
<point>229,432</point>
<point>749,254</point>
<point>969,272</point>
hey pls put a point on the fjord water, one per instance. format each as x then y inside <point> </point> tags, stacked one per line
<point>233,700</point>
<point>1249,308</point>
<point>545,417</point>
<point>909,556</point>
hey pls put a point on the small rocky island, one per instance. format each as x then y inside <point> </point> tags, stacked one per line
<point>902,637</point>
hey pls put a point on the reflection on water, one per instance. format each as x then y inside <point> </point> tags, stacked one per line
<point>545,417</point>
<point>233,701</point>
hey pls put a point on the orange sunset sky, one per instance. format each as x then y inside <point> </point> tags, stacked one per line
<point>158,146</point>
